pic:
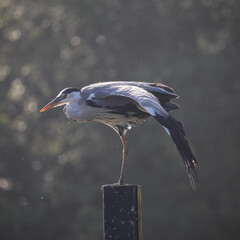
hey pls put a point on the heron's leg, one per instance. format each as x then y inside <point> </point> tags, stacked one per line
<point>124,158</point>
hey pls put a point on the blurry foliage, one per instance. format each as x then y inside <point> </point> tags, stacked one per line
<point>51,169</point>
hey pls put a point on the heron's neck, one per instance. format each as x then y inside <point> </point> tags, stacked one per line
<point>74,105</point>
<point>75,110</point>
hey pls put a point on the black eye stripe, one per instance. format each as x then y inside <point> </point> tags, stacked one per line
<point>69,90</point>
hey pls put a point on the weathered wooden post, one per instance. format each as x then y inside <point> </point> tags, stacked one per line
<point>122,212</point>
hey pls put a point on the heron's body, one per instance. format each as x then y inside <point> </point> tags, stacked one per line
<point>122,105</point>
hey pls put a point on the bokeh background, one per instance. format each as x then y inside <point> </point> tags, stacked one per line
<point>51,169</point>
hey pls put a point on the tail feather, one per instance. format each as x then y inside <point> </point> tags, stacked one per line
<point>175,129</point>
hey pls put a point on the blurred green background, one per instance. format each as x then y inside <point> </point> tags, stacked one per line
<point>51,169</point>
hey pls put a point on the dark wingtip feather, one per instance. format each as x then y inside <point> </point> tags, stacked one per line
<point>194,179</point>
<point>165,87</point>
<point>192,182</point>
<point>176,132</point>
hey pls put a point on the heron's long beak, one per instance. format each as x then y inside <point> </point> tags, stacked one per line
<point>54,103</point>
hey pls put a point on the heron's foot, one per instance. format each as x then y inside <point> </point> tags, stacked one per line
<point>120,182</point>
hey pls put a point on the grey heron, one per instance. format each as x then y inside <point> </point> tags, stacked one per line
<point>122,105</point>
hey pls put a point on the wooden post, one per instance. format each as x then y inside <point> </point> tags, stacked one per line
<point>122,212</point>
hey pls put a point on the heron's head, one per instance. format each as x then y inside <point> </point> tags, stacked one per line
<point>64,97</point>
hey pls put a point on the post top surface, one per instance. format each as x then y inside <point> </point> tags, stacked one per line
<point>115,185</point>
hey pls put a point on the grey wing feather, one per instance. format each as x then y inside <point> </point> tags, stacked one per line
<point>146,100</point>
<point>150,87</point>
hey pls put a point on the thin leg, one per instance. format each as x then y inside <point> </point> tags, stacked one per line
<point>124,158</point>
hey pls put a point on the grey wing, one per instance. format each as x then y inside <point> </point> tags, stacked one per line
<point>163,93</point>
<point>155,88</point>
<point>146,100</point>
